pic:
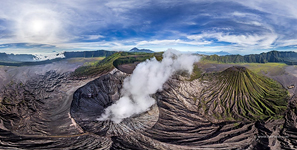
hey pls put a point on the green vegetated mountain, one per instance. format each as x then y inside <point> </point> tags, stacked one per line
<point>289,58</point>
<point>239,94</point>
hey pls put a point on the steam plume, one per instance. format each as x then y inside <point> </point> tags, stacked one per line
<point>40,57</point>
<point>147,78</point>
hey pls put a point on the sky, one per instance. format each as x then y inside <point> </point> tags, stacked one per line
<point>237,27</point>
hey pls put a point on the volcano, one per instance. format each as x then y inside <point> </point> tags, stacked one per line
<point>238,93</point>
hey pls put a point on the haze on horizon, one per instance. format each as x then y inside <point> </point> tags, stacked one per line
<point>242,27</point>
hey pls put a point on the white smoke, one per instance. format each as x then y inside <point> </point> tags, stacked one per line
<point>147,78</point>
<point>42,57</point>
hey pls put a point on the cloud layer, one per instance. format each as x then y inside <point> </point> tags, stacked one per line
<point>234,26</point>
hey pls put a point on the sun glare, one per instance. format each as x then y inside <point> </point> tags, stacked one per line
<point>38,26</point>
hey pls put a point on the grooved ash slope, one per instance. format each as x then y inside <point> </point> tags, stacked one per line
<point>54,111</point>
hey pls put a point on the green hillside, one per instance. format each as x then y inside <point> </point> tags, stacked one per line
<point>108,63</point>
<point>239,94</point>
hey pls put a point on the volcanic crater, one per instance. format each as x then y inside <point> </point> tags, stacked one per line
<point>90,101</point>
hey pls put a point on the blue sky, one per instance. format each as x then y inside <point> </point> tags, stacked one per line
<point>251,26</point>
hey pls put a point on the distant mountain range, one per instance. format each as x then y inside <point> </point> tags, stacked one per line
<point>141,50</point>
<point>98,53</point>
<point>288,57</point>
<point>17,57</point>
<point>220,53</point>
<point>30,59</point>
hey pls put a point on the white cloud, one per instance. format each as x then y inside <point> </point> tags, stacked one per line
<point>236,13</point>
<point>94,37</point>
<point>288,42</point>
<point>285,8</point>
<point>42,57</point>
<point>171,42</point>
<point>263,41</point>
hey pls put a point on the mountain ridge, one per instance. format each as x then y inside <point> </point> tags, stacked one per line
<point>288,57</point>
<point>135,49</point>
<point>220,53</point>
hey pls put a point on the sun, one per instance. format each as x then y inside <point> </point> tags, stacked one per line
<point>38,27</point>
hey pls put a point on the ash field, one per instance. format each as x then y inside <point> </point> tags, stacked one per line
<point>87,103</point>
